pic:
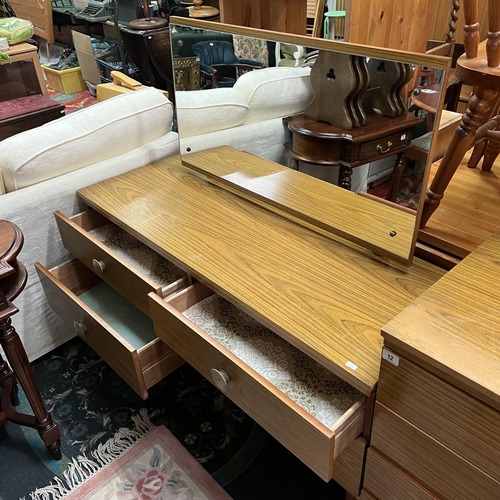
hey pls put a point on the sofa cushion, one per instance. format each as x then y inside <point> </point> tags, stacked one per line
<point>203,111</point>
<point>275,92</point>
<point>91,135</point>
<point>2,187</point>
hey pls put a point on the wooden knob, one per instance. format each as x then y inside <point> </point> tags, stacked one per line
<point>80,328</point>
<point>220,379</point>
<point>99,266</point>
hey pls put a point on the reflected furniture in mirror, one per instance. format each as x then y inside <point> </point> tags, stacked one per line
<point>479,66</point>
<point>339,109</point>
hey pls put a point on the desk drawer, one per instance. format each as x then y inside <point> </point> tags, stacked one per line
<point>260,373</point>
<point>121,260</point>
<point>125,339</point>
<point>435,467</point>
<point>384,146</point>
<point>462,423</point>
<point>383,480</point>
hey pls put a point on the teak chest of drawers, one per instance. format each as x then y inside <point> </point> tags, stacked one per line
<point>436,428</point>
<point>313,298</point>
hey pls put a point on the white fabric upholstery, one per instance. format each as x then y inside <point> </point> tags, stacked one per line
<point>205,111</point>
<point>264,139</point>
<point>32,209</point>
<point>275,92</point>
<point>108,129</point>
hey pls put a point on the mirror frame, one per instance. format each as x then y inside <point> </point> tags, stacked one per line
<point>437,62</point>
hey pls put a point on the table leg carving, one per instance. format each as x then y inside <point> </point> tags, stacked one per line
<point>479,104</point>
<point>397,177</point>
<point>345,175</point>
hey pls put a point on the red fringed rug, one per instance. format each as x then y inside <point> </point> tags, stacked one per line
<point>72,102</point>
<point>136,466</point>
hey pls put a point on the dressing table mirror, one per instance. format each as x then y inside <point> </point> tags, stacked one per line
<point>337,111</point>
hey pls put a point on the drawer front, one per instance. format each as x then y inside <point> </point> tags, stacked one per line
<point>431,464</point>
<point>140,370</point>
<point>366,496</point>
<point>383,480</point>
<point>384,146</point>
<point>348,469</point>
<point>463,424</point>
<point>129,282</point>
<point>311,441</point>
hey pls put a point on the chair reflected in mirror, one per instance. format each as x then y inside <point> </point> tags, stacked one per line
<point>219,66</point>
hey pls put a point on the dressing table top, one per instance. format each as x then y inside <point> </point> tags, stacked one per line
<point>327,297</point>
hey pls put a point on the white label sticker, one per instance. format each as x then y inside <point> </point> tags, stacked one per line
<point>391,357</point>
<point>403,137</point>
<point>351,365</point>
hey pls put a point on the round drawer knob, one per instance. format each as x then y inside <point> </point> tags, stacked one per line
<point>220,379</point>
<point>80,327</point>
<point>99,266</point>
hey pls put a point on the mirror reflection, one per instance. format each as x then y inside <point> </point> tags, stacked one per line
<point>361,121</point>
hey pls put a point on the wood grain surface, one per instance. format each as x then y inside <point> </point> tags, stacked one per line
<point>348,469</point>
<point>321,205</point>
<point>462,423</point>
<point>454,328</point>
<point>328,298</point>
<point>431,464</point>
<point>385,481</point>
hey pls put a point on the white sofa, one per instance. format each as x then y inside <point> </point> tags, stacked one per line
<point>247,116</point>
<point>41,170</point>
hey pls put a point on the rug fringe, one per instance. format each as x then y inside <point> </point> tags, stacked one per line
<point>82,468</point>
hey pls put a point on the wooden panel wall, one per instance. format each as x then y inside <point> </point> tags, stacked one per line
<point>393,24</point>
<point>288,16</point>
<point>440,18</point>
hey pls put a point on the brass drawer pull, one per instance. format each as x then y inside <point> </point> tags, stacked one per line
<point>381,149</point>
<point>99,266</point>
<point>81,328</point>
<point>220,379</point>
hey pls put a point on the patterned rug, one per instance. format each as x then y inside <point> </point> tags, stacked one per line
<point>136,466</point>
<point>90,403</point>
<point>72,102</point>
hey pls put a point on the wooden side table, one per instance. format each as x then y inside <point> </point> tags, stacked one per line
<point>322,144</point>
<point>24,51</point>
<point>13,278</point>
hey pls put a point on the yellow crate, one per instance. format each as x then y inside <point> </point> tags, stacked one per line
<point>67,81</point>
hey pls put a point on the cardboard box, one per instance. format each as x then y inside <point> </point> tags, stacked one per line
<point>86,58</point>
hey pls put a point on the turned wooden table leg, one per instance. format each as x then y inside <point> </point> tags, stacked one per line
<point>16,368</point>
<point>345,175</point>
<point>397,177</point>
<point>479,104</point>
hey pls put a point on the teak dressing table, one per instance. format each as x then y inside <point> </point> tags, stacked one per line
<point>324,295</point>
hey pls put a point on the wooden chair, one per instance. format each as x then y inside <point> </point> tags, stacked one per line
<point>479,66</point>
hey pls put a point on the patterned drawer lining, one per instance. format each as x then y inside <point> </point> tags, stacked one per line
<point>137,254</point>
<point>321,393</point>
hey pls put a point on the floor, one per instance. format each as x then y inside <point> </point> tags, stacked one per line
<point>469,212</point>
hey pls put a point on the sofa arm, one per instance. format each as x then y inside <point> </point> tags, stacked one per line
<point>77,140</point>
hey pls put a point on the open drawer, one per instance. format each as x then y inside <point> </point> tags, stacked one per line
<point>118,258</point>
<point>308,409</point>
<point>115,329</point>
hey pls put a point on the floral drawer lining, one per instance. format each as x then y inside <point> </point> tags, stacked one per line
<point>140,256</point>
<point>321,393</point>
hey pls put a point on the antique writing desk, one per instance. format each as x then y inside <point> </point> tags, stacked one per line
<point>325,296</point>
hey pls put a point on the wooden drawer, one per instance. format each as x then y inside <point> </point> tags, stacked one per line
<point>385,481</point>
<point>348,470</point>
<point>435,467</point>
<point>130,267</point>
<point>243,365</point>
<point>125,339</point>
<point>384,146</point>
<point>462,423</point>
<point>366,496</point>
